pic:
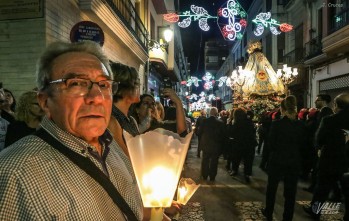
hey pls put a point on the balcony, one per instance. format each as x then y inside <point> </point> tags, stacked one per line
<point>107,10</point>
<point>338,39</point>
<point>313,48</point>
<point>339,21</point>
<point>294,57</point>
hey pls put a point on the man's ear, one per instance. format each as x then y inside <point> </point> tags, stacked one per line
<point>43,102</point>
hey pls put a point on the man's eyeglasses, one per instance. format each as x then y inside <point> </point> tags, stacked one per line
<point>81,87</point>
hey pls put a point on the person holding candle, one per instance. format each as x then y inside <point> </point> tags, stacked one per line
<point>71,169</point>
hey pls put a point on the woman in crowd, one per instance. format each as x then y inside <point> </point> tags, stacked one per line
<point>126,94</point>
<point>28,117</point>
<point>148,118</point>
<point>161,110</point>
<point>286,139</point>
<point>244,138</point>
<point>9,106</point>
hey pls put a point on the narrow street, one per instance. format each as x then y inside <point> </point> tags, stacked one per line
<point>231,198</point>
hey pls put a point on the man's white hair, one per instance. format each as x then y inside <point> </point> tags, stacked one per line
<point>214,111</point>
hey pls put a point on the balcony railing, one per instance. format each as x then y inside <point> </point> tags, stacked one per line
<point>339,21</point>
<point>294,57</point>
<point>313,47</point>
<point>125,10</point>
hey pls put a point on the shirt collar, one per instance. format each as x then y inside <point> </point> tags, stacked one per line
<point>76,144</point>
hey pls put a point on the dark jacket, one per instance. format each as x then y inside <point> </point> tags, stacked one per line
<point>243,134</point>
<point>331,139</point>
<point>286,140</point>
<point>198,124</point>
<point>212,134</point>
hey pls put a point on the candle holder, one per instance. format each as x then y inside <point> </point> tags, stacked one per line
<point>186,189</point>
<point>157,159</point>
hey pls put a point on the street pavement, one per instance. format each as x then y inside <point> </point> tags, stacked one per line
<point>232,199</point>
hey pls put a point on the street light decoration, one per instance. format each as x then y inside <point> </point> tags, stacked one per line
<point>264,20</point>
<point>196,14</point>
<point>163,45</point>
<point>287,76</point>
<point>232,20</point>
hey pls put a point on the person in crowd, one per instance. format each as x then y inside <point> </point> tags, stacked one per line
<point>3,123</point>
<point>230,144</point>
<point>244,135</point>
<point>8,108</point>
<point>127,94</point>
<point>63,170</point>
<point>332,161</point>
<point>322,103</point>
<point>161,110</point>
<point>188,121</point>
<point>223,116</point>
<point>212,134</point>
<point>197,126</point>
<point>28,117</point>
<point>261,131</point>
<point>147,116</point>
<point>286,140</point>
<point>265,152</point>
<point>302,114</point>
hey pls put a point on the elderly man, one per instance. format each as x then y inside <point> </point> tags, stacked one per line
<point>212,134</point>
<point>332,162</point>
<point>71,169</point>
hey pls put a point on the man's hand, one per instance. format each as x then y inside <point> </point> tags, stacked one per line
<point>171,94</point>
<point>174,209</point>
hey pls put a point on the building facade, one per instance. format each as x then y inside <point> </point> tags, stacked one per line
<point>125,27</point>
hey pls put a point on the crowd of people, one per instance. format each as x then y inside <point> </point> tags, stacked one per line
<point>64,156</point>
<point>311,144</point>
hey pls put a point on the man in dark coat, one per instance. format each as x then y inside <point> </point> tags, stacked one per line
<point>197,126</point>
<point>332,162</point>
<point>212,134</point>
<point>322,103</point>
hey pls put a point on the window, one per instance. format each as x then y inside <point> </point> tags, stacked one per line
<point>212,59</point>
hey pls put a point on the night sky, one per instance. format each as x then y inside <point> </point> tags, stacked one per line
<point>194,38</point>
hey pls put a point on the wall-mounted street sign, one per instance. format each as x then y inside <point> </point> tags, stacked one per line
<point>87,30</point>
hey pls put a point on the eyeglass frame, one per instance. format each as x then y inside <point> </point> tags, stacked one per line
<point>64,80</point>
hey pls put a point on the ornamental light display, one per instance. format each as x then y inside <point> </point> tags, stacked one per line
<point>287,75</point>
<point>264,20</point>
<point>232,20</point>
<point>196,14</point>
